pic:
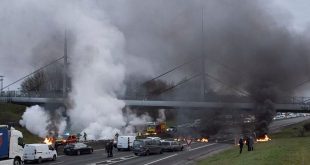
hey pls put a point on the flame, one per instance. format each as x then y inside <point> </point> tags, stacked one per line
<point>265,139</point>
<point>48,140</point>
<point>204,140</point>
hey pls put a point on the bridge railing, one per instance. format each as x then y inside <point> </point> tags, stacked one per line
<point>8,94</point>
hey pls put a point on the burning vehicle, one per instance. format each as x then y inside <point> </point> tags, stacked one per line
<point>66,139</point>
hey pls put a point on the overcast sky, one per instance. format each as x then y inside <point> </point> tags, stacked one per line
<point>296,11</point>
<point>299,10</point>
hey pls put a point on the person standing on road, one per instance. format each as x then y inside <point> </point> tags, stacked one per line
<point>251,143</point>
<point>247,142</point>
<point>241,144</point>
<point>109,149</point>
<point>85,136</point>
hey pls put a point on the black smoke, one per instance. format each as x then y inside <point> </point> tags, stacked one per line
<point>247,45</point>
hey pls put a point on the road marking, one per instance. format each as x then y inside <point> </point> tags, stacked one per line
<point>99,149</point>
<point>57,162</point>
<point>161,159</point>
<point>114,160</point>
<point>201,147</point>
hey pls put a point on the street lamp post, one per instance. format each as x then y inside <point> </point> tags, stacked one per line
<point>1,87</point>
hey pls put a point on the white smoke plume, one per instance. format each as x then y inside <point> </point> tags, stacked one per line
<point>37,120</point>
<point>161,115</point>
<point>97,75</point>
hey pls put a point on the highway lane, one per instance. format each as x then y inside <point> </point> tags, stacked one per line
<point>184,157</point>
<point>177,158</point>
<point>276,125</point>
<point>99,157</point>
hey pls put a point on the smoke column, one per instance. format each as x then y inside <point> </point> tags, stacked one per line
<point>97,76</point>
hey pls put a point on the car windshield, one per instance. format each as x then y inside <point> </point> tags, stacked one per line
<point>137,143</point>
<point>70,146</point>
<point>165,143</point>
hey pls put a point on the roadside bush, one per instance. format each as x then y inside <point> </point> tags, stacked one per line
<point>307,127</point>
<point>301,132</point>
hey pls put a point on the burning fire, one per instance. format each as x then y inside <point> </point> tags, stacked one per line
<point>265,139</point>
<point>204,140</point>
<point>48,140</point>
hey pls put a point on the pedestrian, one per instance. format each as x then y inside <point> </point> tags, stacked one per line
<point>251,143</point>
<point>241,144</point>
<point>85,136</point>
<point>111,149</point>
<point>247,142</point>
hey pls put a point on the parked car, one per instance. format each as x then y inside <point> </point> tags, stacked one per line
<point>78,149</point>
<point>39,152</point>
<point>171,146</point>
<point>147,146</point>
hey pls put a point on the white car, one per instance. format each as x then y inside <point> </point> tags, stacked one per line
<point>39,152</point>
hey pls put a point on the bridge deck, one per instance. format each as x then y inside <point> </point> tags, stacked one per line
<point>293,107</point>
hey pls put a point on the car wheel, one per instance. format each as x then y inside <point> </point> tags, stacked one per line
<point>78,152</point>
<point>54,157</point>
<point>17,161</point>
<point>182,148</point>
<point>136,154</point>
<point>39,160</point>
<point>161,152</point>
<point>147,153</point>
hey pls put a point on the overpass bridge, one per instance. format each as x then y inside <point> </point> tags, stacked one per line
<point>296,104</point>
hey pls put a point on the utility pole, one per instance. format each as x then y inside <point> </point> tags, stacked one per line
<point>64,86</point>
<point>1,80</point>
<point>203,79</point>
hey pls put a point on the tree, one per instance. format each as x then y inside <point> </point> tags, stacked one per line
<point>34,83</point>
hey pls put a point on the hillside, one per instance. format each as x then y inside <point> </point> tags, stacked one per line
<point>11,114</point>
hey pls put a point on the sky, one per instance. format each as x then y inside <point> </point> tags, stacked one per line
<point>295,11</point>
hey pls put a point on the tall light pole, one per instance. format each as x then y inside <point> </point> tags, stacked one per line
<point>1,87</point>
<point>64,86</point>
<point>203,81</point>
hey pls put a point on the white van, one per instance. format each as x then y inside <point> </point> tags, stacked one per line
<point>39,152</point>
<point>125,142</point>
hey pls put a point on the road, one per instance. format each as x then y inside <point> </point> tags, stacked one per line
<point>197,150</point>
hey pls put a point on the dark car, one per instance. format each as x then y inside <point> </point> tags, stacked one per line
<point>171,146</point>
<point>77,149</point>
<point>147,146</point>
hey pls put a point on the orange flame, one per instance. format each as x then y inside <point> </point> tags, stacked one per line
<point>204,140</point>
<point>265,139</point>
<point>48,140</point>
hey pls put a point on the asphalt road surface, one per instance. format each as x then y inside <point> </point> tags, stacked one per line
<point>188,156</point>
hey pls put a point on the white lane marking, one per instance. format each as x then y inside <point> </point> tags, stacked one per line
<point>115,160</point>
<point>99,149</point>
<point>161,159</point>
<point>57,162</point>
<point>201,147</point>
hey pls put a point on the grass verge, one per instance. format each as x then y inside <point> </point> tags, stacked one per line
<point>286,148</point>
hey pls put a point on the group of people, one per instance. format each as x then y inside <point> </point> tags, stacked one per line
<point>249,141</point>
